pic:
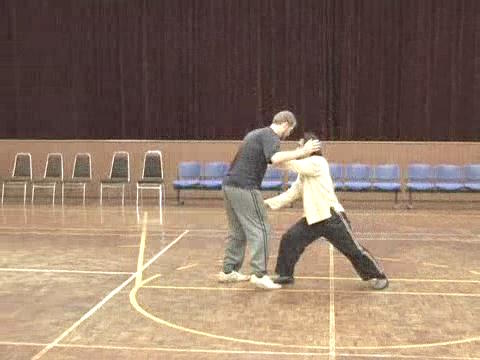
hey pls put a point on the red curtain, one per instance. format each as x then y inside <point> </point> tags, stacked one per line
<point>215,69</point>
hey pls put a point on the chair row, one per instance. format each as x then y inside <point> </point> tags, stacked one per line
<point>349,177</point>
<point>194,175</point>
<point>119,176</point>
<point>420,177</point>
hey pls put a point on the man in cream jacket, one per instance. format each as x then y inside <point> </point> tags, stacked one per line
<point>324,217</point>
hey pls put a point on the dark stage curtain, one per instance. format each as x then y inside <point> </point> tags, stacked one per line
<point>215,69</point>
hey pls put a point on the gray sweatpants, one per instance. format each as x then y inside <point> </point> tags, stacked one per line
<point>248,223</point>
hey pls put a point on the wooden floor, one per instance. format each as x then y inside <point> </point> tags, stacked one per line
<point>111,283</point>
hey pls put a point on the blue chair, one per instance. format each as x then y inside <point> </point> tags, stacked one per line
<point>419,179</point>
<point>472,177</point>
<point>387,178</point>
<point>449,178</point>
<point>227,167</point>
<point>358,177</point>
<point>336,172</point>
<point>213,174</point>
<point>291,177</point>
<point>273,179</point>
<point>189,173</point>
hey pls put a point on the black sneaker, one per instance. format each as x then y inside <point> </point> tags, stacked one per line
<point>284,280</point>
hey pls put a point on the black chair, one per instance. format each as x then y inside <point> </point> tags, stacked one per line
<point>152,177</point>
<point>81,175</point>
<point>119,174</point>
<point>53,175</point>
<point>21,174</point>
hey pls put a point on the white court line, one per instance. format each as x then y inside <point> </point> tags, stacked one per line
<point>231,351</point>
<point>67,271</point>
<point>435,265</point>
<point>453,238</point>
<point>394,279</point>
<point>104,300</point>
<point>87,233</point>
<point>175,229</point>
<point>332,334</point>
<point>398,356</point>
<point>171,350</point>
<point>186,267</point>
<point>416,280</point>
<point>312,291</point>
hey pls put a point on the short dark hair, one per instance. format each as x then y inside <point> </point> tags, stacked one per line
<point>309,135</point>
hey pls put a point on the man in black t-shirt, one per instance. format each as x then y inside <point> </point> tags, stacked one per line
<point>247,217</point>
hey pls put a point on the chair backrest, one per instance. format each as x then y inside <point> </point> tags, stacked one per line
<point>214,170</point>
<point>449,173</point>
<point>22,167</point>
<point>358,172</point>
<point>82,166</point>
<point>336,171</point>
<point>420,172</point>
<point>472,172</point>
<point>120,165</point>
<point>54,166</point>
<point>292,175</point>
<point>153,164</point>
<point>189,170</point>
<point>273,173</point>
<point>227,167</point>
<point>387,172</point>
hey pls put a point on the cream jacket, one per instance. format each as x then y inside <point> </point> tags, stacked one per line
<point>314,184</point>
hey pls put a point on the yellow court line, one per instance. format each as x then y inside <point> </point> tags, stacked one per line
<point>134,302</point>
<point>136,306</point>
<point>141,251</point>
<point>105,300</point>
<point>332,334</point>
<point>475,272</point>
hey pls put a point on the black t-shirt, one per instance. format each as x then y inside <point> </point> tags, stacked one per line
<point>248,168</point>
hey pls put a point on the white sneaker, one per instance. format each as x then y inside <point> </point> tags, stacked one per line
<point>264,282</point>
<point>234,276</point>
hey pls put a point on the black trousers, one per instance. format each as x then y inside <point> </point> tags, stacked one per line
<point>337,231</point>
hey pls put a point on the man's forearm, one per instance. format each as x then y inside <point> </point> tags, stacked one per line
<point>283,156</point>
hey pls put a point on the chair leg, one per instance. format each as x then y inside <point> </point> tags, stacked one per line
<point>24,193</point>
<point>3,190</point>
<point>62,192</point>
<point>84,190</point>
<point>137,195</point>
<point>123,195</point>
<point>164,196</point>
<point>396,197</point>
<point>410,203</point>
<point>53,196</point>
<point>33,193</point>
<point>178,197</point>
<point>160,201</point>
<point>101,194</point>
